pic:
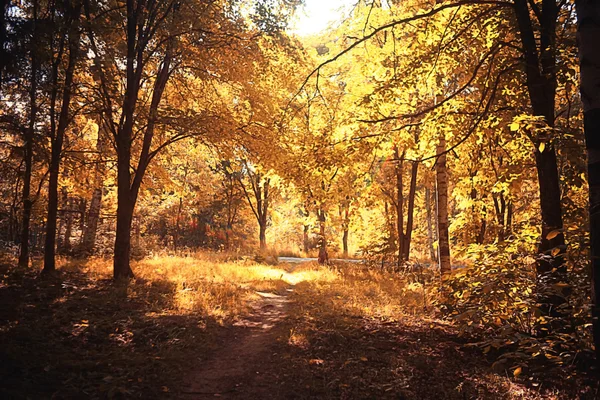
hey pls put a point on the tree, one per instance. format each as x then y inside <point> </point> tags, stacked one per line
<point>588,18</point>
<point>259,201</point>
<point>71,30</point>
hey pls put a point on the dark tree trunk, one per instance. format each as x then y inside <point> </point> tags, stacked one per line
<point>57,136</point>
<point>3,53</point>
<point>323,256</point>
<point>540,71</point>
<point>261,210</point>
<point>178,225</point>
<point>399,203</point>
<point>588,17</point>
<point>305,241</point>
<point>500,208</point>
<point>482,227</point>
<point>442,208</point>
<point>345,243</point>
<point>410,211</point>
<point>28,147</point>
<point>125,207</point>
<point>430,238</point>
<point>262,235</point>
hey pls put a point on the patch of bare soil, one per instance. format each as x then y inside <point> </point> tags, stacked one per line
<point>245,365</point>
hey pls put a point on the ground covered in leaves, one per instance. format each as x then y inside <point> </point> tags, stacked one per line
<point>194,328</point>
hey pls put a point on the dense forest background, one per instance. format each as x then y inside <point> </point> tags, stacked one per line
<point>441,143</point>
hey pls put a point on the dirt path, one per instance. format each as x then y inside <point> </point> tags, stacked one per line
<point>244,366</point>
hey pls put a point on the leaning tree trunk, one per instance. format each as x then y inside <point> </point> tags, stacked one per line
<point>442,208</point>
<point>588,17</point>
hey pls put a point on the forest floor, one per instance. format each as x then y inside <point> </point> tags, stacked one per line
<point>242,331</point>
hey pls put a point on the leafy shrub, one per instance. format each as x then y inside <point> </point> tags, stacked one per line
<point>499,299</point>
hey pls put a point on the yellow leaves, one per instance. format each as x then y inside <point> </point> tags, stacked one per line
<point>542,147</point>
<point>514,126</point>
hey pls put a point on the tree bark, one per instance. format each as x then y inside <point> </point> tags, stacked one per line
<point>399,203</point>
<point>323,256</point>
<point>410,211</point>
<point>28,145</point>
<point>68,214</point>
<point>57,137</point>
<point>430,239</point>
<point>261,210</point>
<point>588,18</point>
<point>93,216</point>
<point>540,71</point>
<point>305,239</point>
<point>442,208</point>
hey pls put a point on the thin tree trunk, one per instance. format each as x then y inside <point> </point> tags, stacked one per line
<point>588,17</point>
<point>399,203</point>
<point>93,217</point>
<point>89,235</point>
<point>66,244</point>
<point>57,137</point>
<point>410,211</point>
<point>442,208</point>
<point>483,226</point>
<point>28,147</point>
<point>323,256</point>
<point>305,239</point>
<point>428,200</point>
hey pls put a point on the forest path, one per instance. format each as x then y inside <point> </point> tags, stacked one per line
<point>246,365</point>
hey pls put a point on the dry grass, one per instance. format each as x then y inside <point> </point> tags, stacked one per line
<point>355,290</point>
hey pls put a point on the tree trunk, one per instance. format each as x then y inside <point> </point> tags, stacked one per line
<point>430,239</point>
<point>551,215</point>
<point>66,244</point>
<point>28,148</point>
<point>588,17</point>
<point>305,240</point>
<point>57,137</point>
<point>323,256</point>
<point>500,208</point>
<point>410,211</point>
<point>442,208</point>
<point>89,235</point>
<point>262,235</point>
<point>125,207</point>
<point>482,227</point>
<point>399,203</point>
<point>540,70</point>
<point>93,217</point>
<point>345,244</point>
